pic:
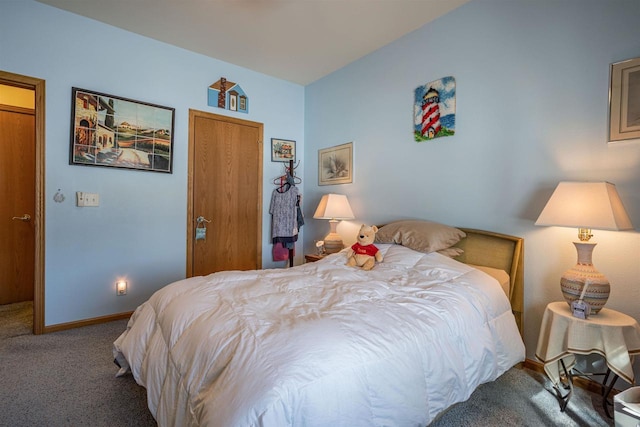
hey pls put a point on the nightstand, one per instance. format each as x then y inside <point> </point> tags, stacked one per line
<point>313,257</point>
<point>611,334</point>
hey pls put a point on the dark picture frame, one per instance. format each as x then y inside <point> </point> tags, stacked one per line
<point>117,132</point>
<point>283,150</point>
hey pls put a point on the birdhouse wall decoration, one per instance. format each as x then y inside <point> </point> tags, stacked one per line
<point>228,95</point>
<point>434,110</point>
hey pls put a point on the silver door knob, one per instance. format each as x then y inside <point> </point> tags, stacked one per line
<point>202,220</point>
<point>25,217</point>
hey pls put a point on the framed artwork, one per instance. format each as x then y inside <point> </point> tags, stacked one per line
<point>228,95</point>
<point>434,109</point>
<point>624,100</point>
<point>335,165</point>
<point>282,150</point>
<point>112,131</point>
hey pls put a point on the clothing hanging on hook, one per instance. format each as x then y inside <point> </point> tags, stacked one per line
<point>286,215</point>
<point>286,182</point>
<point>284,224</point>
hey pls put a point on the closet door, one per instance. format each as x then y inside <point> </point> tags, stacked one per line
<point>225,194</point>
<point>17,208</point>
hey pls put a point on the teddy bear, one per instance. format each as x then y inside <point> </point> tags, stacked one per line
<point>364,253</point>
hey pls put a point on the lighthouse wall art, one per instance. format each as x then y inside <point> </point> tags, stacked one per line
<point>434,112</point>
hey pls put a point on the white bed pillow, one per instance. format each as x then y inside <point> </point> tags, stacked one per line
<point>419,235</point>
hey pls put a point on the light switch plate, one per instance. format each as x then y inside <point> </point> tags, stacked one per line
<point>87,199</point>
<point>92,199</point>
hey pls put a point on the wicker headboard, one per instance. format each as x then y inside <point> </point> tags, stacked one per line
<point>498,251</point>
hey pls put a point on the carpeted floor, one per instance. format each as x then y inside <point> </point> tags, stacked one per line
<point>522,397</point>
<point>16,319</point>
<point>68,379</point>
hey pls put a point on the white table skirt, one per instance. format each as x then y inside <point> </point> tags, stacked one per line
<point>613,335</point>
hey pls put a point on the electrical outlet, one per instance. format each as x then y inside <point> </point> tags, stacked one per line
<point>121,287</point>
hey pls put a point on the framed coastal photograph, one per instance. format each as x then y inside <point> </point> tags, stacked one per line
<point>112,131</point>
<point>624,100</point>
<point>335,165</point>
<point>283,150</point>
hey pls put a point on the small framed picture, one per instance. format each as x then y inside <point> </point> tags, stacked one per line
<point>624,100</point>
<point>335,165</point>
<point>282,150</point>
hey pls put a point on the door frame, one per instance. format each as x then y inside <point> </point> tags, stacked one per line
<point>38,86</point>
<point>191,223</point>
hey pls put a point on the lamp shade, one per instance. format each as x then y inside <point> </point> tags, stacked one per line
<point>334,206</point>
<point>592,205</point>
<point>586,206</point>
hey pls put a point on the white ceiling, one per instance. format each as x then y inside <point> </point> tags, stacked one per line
<point>296,40</point>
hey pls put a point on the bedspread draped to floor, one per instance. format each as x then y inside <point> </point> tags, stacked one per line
<point>321,344</point>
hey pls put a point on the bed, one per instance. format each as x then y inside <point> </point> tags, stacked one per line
<point>324,344</point>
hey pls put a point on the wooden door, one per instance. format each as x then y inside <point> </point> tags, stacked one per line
<point>17,209</point>
<point>225,189</point>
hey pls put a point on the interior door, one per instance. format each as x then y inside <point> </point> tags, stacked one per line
<point>225,194</point>
<point>17,209</point>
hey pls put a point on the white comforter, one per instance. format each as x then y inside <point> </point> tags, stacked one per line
<point>321,344</point>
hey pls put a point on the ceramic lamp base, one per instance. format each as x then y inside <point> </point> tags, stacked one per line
<point>333,243</point>
<point>573,280</point>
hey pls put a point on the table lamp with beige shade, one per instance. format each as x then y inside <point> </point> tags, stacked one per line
<point>334,207</point>
<point>586,206</point>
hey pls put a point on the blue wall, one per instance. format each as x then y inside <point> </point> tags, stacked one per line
<point>532,98</point>
<point>139,230</point>
<point>532,110</point>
